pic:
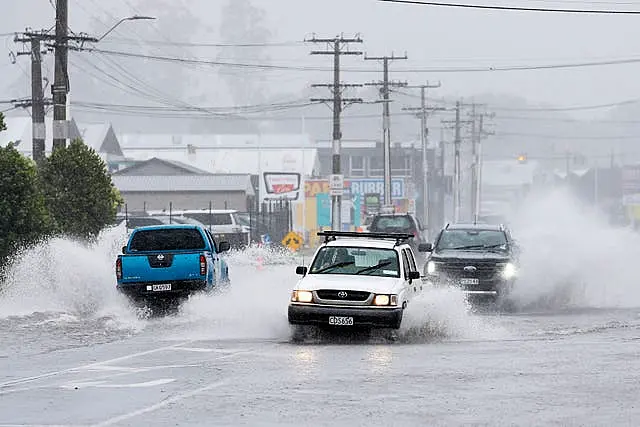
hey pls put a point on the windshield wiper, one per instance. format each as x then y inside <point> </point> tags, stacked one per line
<point>373,267</point>
<point>467,247</point>
<point>478,247</point>
<point>332,266</point>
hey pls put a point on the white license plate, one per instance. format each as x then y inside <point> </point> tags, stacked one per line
<point>163,287</point>
<point>469,281</point>
<point>340,321</point>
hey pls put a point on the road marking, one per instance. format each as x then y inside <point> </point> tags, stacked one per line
<point>194,349</point>
<point>105,384</point>
<point>90,365</point>
<point>42,425</point>
<point>159,405</point>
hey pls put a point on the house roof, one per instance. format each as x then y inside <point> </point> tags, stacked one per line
<point>186,168</point>
<point>19,129</point>
<point>237,161</point>
<point>183,183</point>
<point>92,134</point>
<point>168,141</point>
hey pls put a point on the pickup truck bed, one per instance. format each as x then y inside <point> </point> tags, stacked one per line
<point>170,261</point>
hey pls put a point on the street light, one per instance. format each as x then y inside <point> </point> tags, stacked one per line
<point>130,18</point>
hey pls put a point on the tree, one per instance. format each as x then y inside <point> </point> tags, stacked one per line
<point>24,218</point>
<point>2,125</point>
<point>242,22</point>
<point>78,191</point>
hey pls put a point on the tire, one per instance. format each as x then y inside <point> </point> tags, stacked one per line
<point>299,333</point>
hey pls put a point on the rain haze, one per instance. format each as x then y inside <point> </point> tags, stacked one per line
<point>200,225</point>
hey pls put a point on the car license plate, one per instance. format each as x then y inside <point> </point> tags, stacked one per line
<point>340,321</point>
<point>162,287</point>
<point>469,281</point>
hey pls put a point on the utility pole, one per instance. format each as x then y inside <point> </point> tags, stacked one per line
<point>60,87</point>
<point>441,178</point>
<point>38,129</point>
<point>424,135</point>
<point>456,184</point>
<point>336,48</point>
<point>386,120</point>
<point>482,133</point>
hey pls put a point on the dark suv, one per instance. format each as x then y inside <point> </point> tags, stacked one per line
<point>399,223</point>
<point>481,259</point>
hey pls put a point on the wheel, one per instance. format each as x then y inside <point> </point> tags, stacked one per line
<point>300,333</point>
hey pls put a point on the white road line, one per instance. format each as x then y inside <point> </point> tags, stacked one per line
<point>90,365</point>
<point>159,405</point>
<point>43,425</point>
<point>105,384</point>
<point>194,349</point>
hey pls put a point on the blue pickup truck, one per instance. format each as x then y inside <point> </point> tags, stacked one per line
<point>171,262</point>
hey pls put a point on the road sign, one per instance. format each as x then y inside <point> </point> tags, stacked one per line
<point>293,241</point>
<point>336,185</point>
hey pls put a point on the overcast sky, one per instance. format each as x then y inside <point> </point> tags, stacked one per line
<point>431,36</point>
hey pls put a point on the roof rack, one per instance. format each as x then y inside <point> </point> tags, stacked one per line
<point>331,235</point>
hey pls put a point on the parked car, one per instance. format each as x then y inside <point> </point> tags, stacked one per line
<point>170,262</point>
<point>400,223</point>
<point>223,224</point>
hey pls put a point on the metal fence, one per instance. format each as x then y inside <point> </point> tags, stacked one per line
<point>267,225</point>
<point>272,222</point>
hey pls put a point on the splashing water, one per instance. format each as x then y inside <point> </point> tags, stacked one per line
<point>64,276</point>
<point>445,313</point>
<point>254,307</point>
<point>573,257</point>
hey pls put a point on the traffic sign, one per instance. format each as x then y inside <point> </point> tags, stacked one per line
<point>293,241</point>
<point>336,185</point>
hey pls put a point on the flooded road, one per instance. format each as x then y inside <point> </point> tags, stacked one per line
<point>75,353</point>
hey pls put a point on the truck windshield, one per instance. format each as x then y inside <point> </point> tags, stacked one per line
<point>472,239</point>
<point>392,224</point>
<point>356,261</point>
<point>174,239</point>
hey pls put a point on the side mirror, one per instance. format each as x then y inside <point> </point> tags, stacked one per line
<point>223,247</point>
<point>425,247</point>
<point>414,275</point>
<point>301,270</point>
<point>124,249</point>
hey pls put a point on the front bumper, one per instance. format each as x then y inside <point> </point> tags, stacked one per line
<point>179,288</point>
<point>493,288</point>
<point>314,314</point>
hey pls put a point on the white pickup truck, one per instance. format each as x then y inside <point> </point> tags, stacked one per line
<point>357,280</point>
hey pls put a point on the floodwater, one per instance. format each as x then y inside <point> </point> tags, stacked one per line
<point>73,352</point>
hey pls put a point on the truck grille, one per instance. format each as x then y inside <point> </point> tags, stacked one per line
<point>337,295</point>
<point>484,270</point>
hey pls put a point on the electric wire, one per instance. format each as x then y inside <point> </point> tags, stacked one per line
<point>514,8</point>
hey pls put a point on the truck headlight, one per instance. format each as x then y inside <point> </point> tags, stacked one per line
<point>385,300</point>
<point>431,267</point>
<point>509,271</point>
<point>302,296</point>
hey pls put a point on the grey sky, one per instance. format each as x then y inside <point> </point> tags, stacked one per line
<point>432,37</point>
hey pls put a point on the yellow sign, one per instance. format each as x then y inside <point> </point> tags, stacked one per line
<point>293,241</point>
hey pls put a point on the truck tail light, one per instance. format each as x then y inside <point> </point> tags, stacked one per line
<point>203,265</point>
<point>119,268</point>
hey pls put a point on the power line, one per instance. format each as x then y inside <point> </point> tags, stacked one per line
<point>515,8</point>
<point>476,69</point>
<point>534,109</point>
<point>566,137</point>
<point>204,44</point>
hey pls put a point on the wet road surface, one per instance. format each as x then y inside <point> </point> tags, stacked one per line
<point>584,378</point>
<point>229,361</point>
